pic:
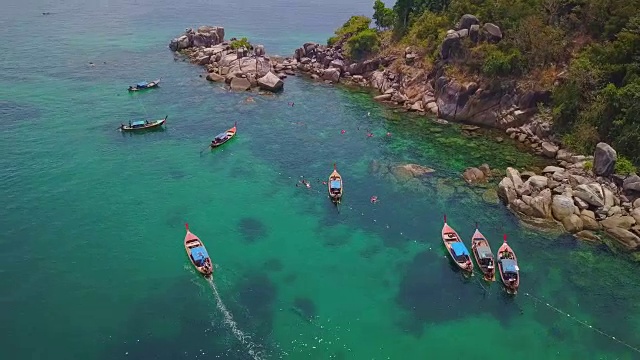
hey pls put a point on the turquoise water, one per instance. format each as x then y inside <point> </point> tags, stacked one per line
<point>92,220</point>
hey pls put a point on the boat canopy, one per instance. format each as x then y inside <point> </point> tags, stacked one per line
<point>138,123</point>
<point>459,249</point>
<point>221,136</point>
<point>484,252</point>
<point>199,255</point>
<point>142,84</point>
<point>335,184</point>
<point>510,266</point>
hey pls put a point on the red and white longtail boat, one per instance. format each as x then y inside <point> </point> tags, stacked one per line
<point>508,267</point>
<point>224,137</point>
<point>484,257</point>
<point>456,247</point>
<point>197,253</point>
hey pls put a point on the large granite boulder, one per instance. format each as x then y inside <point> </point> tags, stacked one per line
<point>573,223</point>
<point>562,207</point>
<point>632,183</point>
<point>240,84</point>
<point>507,191</point>
<point>604,159</point>
<point>270,82</point>
<point>624,238</point>
<point>467,102</point>
<point>331,74</point>
<point>590,193</point>
<point>494,34</point>
<point>618,221</point>
<point>466,21</point>
<point>205,36</point>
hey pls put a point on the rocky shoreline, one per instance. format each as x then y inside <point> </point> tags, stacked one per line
<point>586,201</point>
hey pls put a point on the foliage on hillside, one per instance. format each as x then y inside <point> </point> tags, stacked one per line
<point>593,44</point>
<point>358,39</point>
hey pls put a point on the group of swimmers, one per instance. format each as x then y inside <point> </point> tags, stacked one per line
<point>306,183</point>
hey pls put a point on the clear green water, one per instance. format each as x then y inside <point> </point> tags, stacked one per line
<point>92,221</point>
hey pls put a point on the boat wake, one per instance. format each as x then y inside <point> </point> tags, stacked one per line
<point>253,349</point>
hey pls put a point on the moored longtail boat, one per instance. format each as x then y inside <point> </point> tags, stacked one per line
<point>456,247</point>
<point>144,85</point>
<point>484,257</point>
<point>508,267</point>
<point>224,137</point>
<point>335,185</point>
<point>197,253</point>
<point>143,125</point>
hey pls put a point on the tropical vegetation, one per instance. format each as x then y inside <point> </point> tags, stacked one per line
<point>586,51</point>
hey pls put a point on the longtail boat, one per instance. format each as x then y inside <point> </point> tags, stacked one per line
<point>484,257</point>
<point>143,125</point>
<point>144,85</point>
<point>456,247</point>
<point>335,186</point>
<point>508,267</point>
<point>197,253</point>
<point>224,137</point>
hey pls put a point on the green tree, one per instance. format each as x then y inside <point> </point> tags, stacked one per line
<point>362,44</point>
<point>354,25</point>
<point>383,16</point>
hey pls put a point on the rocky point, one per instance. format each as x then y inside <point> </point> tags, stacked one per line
<point>241,68</point>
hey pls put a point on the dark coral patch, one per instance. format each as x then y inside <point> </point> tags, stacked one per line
<point>14,112</point>
<point>305,307</point>
<point>252,229</point>
<point>273,265</point>
<point>433,291</point>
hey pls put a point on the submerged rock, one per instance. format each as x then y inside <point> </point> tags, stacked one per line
<point>409,171</point>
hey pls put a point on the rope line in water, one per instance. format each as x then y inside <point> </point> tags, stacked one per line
<point>584,323</point>
<point>253,349</point>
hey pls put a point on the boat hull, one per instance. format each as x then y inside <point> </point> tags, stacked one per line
<point>152,125</point>
<point>231,133</point>
<point>335,196</point>
<point>489,274</point>
<point>505,252</point>
<point>191,241</point>
<point>150,85</point>
<point>448,240</point>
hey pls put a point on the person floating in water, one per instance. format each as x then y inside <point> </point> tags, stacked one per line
<point>374,199</point>
<point>369,134</point>
<point>290,104</point>
<point>342,131</point>
<point>304,182</point>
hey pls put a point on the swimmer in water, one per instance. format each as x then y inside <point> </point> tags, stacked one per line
<point>374,199</point>
<point>342,131</point>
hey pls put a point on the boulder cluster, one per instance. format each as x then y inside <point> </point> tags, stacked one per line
<point>241,68</point>
<point>585,201</point>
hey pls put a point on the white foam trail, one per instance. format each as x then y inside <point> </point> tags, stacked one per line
<point>253,349</point>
